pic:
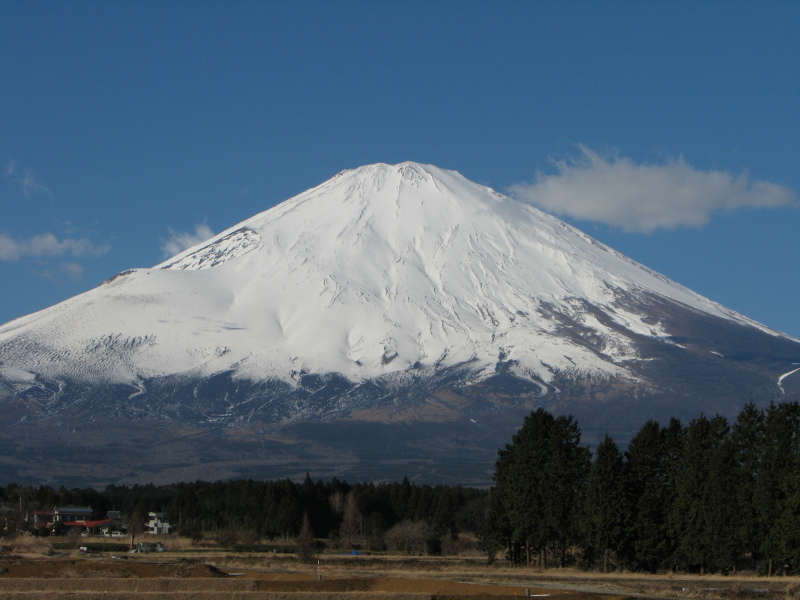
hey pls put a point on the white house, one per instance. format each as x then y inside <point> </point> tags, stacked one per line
<point>157,524</point>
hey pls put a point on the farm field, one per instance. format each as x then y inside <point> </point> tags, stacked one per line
<point>217,575</point>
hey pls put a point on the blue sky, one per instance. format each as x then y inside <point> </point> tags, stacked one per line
<point>668,130</point>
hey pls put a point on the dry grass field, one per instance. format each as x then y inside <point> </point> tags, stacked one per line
<point>31,569</point>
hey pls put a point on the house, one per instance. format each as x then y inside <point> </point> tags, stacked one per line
<point>157,524</point>
<point>77,519</point>
<point>74,519</point>
<point>113,528</point>
<point>88,527</point>
<point>72,513</point>
<point>42,518</point>
<point>65,514</point>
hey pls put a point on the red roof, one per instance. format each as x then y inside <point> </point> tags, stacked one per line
<point>87,523</point>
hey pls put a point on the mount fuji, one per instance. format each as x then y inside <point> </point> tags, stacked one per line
<point>395,320</point>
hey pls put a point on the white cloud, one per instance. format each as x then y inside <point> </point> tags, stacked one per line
<point>47,244</point>
<point>73,270</point>
<point>70,270</point>
<point>179,241</point>
<point>26,180</point>
<point>642,197</point>
<point>31,186</point>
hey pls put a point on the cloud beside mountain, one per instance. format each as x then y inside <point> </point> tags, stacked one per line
<point>643,198</point>
<point>48,245</point>
<point>178,241</point>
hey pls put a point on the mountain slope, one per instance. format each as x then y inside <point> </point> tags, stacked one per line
<point>389,294</point>
<point>375,271</point>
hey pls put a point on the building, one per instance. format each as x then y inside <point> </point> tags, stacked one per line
<point>158,524</point>
<point>72,513</point>
<point>65,514</point>
<point>42,518</point>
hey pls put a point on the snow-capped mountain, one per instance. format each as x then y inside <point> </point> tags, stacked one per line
<point>368,296</point>
<point>376,271</point>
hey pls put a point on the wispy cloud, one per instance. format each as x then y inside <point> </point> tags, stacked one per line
<point>642,197</point>
<point>69,270</point>
<point>73,270</point>
<point>26,179</point>
<point>48,245</point>
<point>178,241</point>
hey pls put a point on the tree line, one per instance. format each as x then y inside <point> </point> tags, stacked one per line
<point>709,496</point>
<point>401,516</point>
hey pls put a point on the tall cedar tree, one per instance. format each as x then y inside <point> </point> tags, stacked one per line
<point>607,508</point>
<point>724,511</point>
<point>519,475</point>
<point>778,489</point>
<point>539,481</point>
<point>650,455</point>
<point>747,437</point>
<point>566,481</point>
<point>495,531</point>
<point>693,509</point>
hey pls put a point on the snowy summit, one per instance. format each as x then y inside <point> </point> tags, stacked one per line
<point>380,270</point>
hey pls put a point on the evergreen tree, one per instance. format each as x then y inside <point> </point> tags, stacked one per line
<point>565,485</point>
<point>288,514</point>
<point>705,511</point>
<point>723,511</point>
<point>495,533</point>
<point>607,509</point>
<point>788,523</point>
<point>747,439</point>
<point>540,479</point>
<point>778,487</point>
<point>519,478</point>
<point>649,544</point>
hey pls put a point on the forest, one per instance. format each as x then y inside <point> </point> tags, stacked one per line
<point>705,497</point>
<point>709,496</point>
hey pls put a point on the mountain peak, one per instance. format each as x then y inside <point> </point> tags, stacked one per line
<point>398,292</point>
<point>409,170</point>
<point>375,271</point>
<point>378,196</point>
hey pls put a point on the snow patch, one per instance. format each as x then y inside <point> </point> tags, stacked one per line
<point>222,249</point>
<point>784,376</point>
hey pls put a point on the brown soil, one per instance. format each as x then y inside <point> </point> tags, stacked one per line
<point>131,578</point>
<point>88,568</point>
<point>218,576</point>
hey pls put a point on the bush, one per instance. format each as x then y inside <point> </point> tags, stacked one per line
<point>226,538</point>
<point>408,536</point>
